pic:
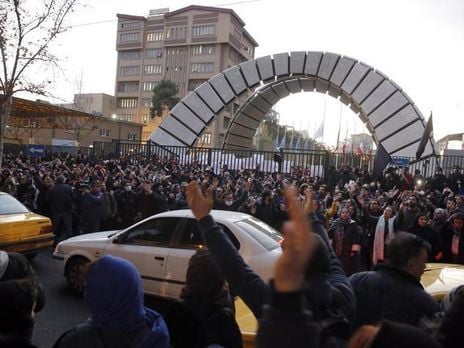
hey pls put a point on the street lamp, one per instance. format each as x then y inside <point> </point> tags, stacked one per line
<point>114,116</point>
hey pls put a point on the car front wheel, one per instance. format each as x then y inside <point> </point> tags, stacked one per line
<point>75,274</point>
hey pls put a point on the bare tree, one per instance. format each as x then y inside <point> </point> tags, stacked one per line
<point>26,30</point>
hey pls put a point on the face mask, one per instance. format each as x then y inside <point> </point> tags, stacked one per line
<point>127,188</point>
<point>228,203</point>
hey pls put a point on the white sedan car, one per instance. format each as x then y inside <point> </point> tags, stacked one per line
<point>161,246</point>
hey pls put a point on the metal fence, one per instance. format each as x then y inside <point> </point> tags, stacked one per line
<point>317,162</point>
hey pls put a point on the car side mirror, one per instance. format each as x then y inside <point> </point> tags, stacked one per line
<point>118,240</point>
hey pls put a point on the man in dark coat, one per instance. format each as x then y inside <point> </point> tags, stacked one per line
<point>393,290</point>
<point>60,202</point>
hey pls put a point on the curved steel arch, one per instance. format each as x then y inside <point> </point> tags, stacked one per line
<point>386,110</point>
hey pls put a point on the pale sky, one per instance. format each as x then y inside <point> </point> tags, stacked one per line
<point>419,44</point>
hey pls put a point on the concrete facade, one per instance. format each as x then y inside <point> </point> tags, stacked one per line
<point>97,104</point>
<point>187,46</point>
<point>105,130</point>
<point>386,110</point>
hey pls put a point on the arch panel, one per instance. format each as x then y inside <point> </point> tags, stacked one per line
<point>386,110</point>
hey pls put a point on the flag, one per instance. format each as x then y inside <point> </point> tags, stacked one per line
<point>428,132</point>
<point>339,126</point>
<point>360,150</point>
<point>320,131</point>
<point>282,142</point>
<point>382,158</point>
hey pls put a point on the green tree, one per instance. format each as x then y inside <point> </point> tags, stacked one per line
<point>27,28</point>
<point>164,97</point>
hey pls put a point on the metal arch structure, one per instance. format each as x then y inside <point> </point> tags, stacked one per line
<point>388,112</point>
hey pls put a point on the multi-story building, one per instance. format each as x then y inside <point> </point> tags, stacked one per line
<point>98,104</point>
<point>187,46</point>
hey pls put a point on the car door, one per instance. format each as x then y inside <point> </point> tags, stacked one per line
<point>187,241</point>
<point>147,246</point>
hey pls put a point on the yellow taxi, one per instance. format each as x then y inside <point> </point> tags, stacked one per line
<point>438,280</point>
<point>21,230</point>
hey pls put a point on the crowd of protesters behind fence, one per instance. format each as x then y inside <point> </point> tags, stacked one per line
<point>349,274</point>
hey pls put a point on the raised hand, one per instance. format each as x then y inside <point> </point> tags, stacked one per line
<point>200,204</point>
<point>297,247</point>
<point>309,207</point>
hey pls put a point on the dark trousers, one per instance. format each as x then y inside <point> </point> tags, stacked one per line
<point>62,226</point>
<point>90,226</point>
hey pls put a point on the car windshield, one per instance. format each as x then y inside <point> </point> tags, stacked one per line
<point>262,232</point>
<point>9,205</point>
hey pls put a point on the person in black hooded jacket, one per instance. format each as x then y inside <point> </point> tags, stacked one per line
<point>205,314</point>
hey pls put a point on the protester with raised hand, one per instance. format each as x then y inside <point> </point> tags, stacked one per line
<point>286,322</point>
<point>328,293</point>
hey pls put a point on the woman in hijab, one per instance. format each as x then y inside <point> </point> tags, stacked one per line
<point>421,229</point>
<point>205,314</point>
<point>114,294</point>
<point>384,233</point>
<point>345,236</point>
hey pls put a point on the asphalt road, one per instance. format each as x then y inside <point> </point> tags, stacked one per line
<point>63,310</point>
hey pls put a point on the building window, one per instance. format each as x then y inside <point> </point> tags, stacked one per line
<point>125,37</point>
<point>152,69</point>
<point>205,139</point>
<point>105,133</point>
<point>154,53</point>
<point>176,33</point>
<point>125,117</point>
<point>131,136</point>
<point>155,36</point>
<point>127,25</point>
<point>149,85</point>
<point>130,55</point>
<point>129,70</point>
<point>131,86</point>
<point>198,50</point>
<point>145,118</point>
<point>194,84</point>
<point>202,67</point>
<point>127,103</point>
<point>146,102</point>
<point>201,30</point>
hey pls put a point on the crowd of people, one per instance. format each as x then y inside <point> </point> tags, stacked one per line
<point>355,280</point>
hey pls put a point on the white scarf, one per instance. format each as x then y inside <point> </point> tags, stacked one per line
<point>4,260</point>
<point>379,238</point>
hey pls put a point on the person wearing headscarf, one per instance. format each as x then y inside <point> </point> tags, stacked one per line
<point>384,233</point>
<point>114,294</point>
<point>345,236</point>
<point>421,229</point>
<point>17,302</point>
<point>205,314</point>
